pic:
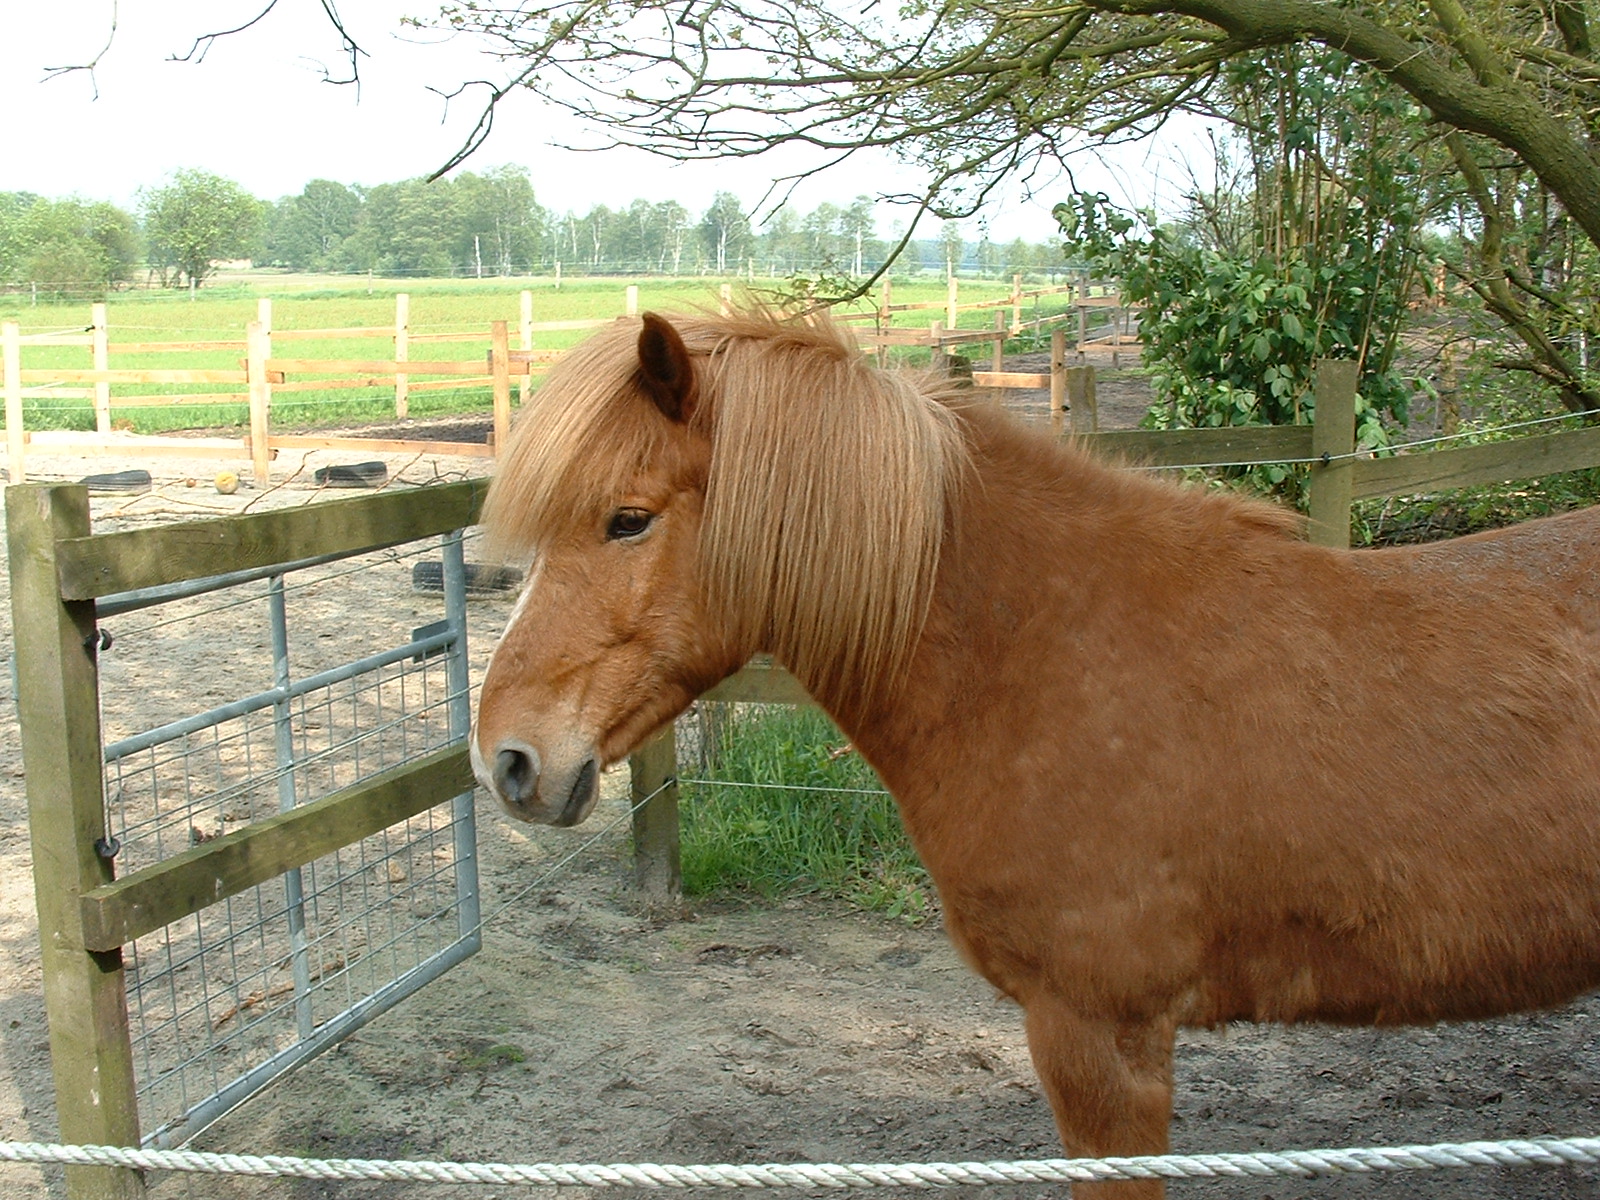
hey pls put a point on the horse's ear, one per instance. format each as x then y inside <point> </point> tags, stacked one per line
<point>665,372</point>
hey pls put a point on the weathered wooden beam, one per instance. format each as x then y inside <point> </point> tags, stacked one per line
<point>1201,447</point>
<point>58,709</point>
<point>1010,379</point>
<point>653,770</point>
<point>131,375</point>
<point>359,445</point>
<point>760,683</point>
<point>1333,439</point>
<point>373,366</point>
<point>108,563</point>
<point>115,913</point>
<point>1474,466</point>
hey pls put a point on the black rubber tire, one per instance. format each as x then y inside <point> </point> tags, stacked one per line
<point>351,475</point>
<point>118,481</point>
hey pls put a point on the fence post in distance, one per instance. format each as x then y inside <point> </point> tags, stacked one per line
<point>102,362</point>
<point>500,368</point>
<point>11,339</point>
<point>258,348</point>
<point>402,353</point>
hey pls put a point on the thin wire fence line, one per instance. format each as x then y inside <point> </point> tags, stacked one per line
<point>1359,452</point>
<point>1299,1164</point>
<point>592,839</point>
<point>786,787</point>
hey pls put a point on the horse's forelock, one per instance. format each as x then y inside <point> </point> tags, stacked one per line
<point>827,502</point>
<point>579,440</point>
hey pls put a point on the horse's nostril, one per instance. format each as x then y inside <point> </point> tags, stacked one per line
<point>516,775</point>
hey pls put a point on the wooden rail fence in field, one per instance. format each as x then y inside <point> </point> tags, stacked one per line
<point>260,375</point>
<point>264,374</point>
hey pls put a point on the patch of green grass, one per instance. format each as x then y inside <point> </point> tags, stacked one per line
<point>783,837</point>
<point>493,1058</point>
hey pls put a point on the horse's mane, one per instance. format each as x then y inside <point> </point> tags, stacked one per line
<point>828,489</point>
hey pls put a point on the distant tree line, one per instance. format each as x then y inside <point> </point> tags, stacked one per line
<point>476,224</point>
<point>490,223</point>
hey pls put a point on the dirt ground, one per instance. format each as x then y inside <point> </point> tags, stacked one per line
<point>587,1031</point>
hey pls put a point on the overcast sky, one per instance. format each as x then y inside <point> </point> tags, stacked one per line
<point>257,110</point>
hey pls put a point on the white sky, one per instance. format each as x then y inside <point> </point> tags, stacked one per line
<point>257,111</point>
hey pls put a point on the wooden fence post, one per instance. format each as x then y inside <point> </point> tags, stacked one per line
<point>258,348</point>
<point>885,320</point>
<point>402,353</point>
<point>1333,442</point>
<point>1058,377</point>
<point>952,306</point>
<point>102,362</point>
<point>631,300</point>
<point>57,702</point>
<point>999,357</point>
<point>1016,303</point>
<point>1083,404</point>
<point>1082,293</point>
<point>657,866</point>
<point>525,321</point>
<point>16,454</point>
<point>500,368</point>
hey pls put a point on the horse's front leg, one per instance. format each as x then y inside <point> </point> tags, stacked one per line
<point>1110,1086</point>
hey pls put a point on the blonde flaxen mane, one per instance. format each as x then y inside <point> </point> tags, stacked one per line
<point>826,503</point>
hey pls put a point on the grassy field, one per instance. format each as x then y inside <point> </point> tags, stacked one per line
<point>221,311</point>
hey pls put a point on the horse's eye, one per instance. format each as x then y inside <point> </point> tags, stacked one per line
<point>628,523</point>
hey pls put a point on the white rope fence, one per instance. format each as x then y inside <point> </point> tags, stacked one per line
<point>1302,1164</point>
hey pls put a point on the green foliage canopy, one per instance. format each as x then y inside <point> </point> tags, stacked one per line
<point>68,245</point>
<point>197,219</point>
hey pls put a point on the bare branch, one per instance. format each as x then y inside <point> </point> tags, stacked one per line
<point>88,67</point>
<point>352,51</point>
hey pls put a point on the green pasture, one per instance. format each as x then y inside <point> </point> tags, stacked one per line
<point>221,311</point>
<point>781,806</point>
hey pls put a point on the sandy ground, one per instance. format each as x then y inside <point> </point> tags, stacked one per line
<point>586,1030</point>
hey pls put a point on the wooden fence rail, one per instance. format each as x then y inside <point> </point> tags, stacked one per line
<point>1071,383</point>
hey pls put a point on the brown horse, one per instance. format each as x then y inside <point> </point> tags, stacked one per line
<point>1167,763</point>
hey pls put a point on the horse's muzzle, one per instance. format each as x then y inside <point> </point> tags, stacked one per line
<point>532,791</point>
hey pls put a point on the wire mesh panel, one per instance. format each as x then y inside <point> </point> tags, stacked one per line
<point>316,679</point>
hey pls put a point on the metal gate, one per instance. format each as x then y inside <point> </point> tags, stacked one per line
<point>266,875</point>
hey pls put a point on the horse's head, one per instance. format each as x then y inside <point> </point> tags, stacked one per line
<point>606,480</point>
<point>696,493</point>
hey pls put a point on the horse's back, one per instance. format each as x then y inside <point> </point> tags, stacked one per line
<point>1557,557</point>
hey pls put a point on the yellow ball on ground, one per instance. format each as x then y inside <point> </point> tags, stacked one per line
<point>227,482</point>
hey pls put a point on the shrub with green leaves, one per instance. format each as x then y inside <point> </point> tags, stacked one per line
<point>1310,252</point>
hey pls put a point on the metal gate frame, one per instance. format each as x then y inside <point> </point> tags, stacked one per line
<point>63,580</point>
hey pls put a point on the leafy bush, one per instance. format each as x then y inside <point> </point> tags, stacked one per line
<point>1310,251</point>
